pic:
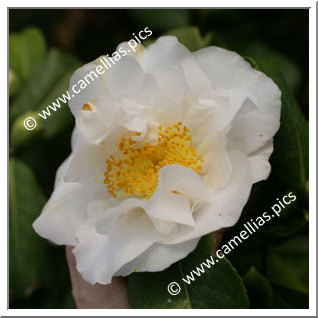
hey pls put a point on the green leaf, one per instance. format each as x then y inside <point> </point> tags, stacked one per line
<point>247,255</point>
<point>62,118</point>
<point>161,19</point>
<point>48,81</point>
<point>288,68</point>
<point>258,289</point>
<point>26,49</point>
<point>288,264</point>
<point>149,290</point>
<point>191,38</point>
<point>291,221</point>
<point>291,144</point>
<point>218,287</point>
<point>26,249</point>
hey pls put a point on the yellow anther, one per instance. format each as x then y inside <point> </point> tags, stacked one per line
<point>137,170</point>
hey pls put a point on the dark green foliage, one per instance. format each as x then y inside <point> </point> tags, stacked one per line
<point>219,287</point>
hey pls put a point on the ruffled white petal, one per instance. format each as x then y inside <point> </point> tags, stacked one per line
<point>178,190</point>
<point>255,100</point>
<point>250,132</point>
<point>99,256</point>
<point>224,206</point>
<point>230,72</point>
<point>87,164</point>
<point>97,89</point>
<point>208,121</point>
<point>233,113</point>
<point>167,50</point>
<point>258,162</point>
<point>65,212</point>
<point>158,257</point>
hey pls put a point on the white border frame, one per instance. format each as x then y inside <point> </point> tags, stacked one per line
<point>312,160</point>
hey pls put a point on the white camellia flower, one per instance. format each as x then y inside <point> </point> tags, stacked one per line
<point>166,148</point>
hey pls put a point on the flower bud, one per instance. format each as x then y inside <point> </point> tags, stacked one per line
<point>24,130</point>
<point>14,83</point>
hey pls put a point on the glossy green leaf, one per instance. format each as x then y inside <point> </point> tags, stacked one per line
<point>218,287</point>
<point>288,68</point>
<point>291,221</point>
<point>62,117</point>
<point>288,264</point>
<point>249,253</point>
<point>26,247</point>
<point>26,49</point>
<point>258,289</point>
<point>191,38</point>
<point>48,81</point>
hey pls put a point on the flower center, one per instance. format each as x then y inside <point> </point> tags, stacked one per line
<point>136,171</point>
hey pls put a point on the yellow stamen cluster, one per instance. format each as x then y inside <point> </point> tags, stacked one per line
<point>137,170</point>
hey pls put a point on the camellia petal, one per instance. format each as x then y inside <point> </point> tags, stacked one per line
<point>100,256</point>
<point>158,256</point>
<point>224,205</point>
<point>166,148</point>
<point>65,212</point>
